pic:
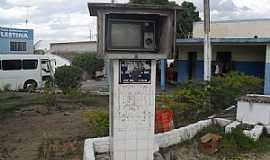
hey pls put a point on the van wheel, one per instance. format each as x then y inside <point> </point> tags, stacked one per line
<point>30,85</point>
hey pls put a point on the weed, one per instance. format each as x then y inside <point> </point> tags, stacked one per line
<point>236,143</point>
<point>54,149</point>
<point>98,122</point>
<point>50,94</point>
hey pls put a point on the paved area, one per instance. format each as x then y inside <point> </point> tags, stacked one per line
<point>94,85</point>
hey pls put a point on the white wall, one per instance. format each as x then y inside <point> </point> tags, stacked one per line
<point>253,113</point>
<point>235,29</point>
<point>73,47</point>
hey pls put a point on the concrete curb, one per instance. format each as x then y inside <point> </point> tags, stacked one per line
<point>162,140</point>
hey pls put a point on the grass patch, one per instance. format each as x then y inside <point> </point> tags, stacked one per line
<point>235,144</point>
<point>55,149</point>
<point>13,101</point>
<point>16,101</point>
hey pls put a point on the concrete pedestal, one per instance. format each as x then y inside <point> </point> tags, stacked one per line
<point>132,117</point>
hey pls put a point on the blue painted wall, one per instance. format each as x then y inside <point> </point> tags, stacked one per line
<point>8,35</point>
<point>267,79</point>
<point>182,70</point>
<point>249,68</point>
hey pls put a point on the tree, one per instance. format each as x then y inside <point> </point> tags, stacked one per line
<point>88,62</point>
<point>68,77</point>
<point>185,18</point>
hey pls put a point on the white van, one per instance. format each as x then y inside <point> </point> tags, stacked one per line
<point>24,71</point>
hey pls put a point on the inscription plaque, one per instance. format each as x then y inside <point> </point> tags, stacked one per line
<point>135,71</point>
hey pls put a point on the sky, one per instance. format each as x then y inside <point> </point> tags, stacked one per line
<point>69,20</point>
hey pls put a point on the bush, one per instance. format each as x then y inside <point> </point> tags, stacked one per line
<point>68,77</point>
<point>98,122</point>
<point>6,88</point>
<point>88,62</point>
<point>201,99</point>
<point>224,90</point>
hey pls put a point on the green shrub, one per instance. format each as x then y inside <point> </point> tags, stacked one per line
<point>224,90</point>
<point>68,77</point>
<point>98,122</point>
<point>199,99</point>
<point>88,62</point>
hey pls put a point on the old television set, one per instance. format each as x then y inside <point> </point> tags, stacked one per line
<point>125,34</point>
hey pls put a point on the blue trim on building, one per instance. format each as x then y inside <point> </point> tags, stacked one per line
<point>162,74</point>
<point>248,68</point>
<point>267,79</point>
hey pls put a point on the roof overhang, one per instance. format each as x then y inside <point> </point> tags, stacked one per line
<point>225,41</point>
<point>94,7</point>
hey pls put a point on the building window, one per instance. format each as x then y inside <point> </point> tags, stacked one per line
<point>192,59</point>
<point>12,64</point>
<point>17,46</point>
<point>30,64</point>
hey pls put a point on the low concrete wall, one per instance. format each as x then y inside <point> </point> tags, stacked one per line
<point>162,140</point>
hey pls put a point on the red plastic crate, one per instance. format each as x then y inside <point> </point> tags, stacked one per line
<point>163,120</point>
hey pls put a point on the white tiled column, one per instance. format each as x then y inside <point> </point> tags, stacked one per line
<point>133,113</point>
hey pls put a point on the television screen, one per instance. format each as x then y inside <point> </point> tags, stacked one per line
<point>126,35</point>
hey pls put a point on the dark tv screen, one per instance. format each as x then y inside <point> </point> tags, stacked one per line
<point>126,35</point>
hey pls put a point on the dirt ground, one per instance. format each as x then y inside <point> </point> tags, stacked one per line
<point>33,134</point>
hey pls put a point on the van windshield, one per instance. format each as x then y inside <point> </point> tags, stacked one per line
<point>45,65</point>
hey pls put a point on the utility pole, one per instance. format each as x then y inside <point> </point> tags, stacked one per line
<point>207,42</point>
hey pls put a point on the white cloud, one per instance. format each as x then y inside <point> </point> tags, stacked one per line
<point>15,12</point>
<point>69,20</point>
<point>33,2</point>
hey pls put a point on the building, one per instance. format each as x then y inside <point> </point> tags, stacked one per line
<point>69,49</point>
<point>242,46</point>
<point>235,29</point>
<point>16,41</point>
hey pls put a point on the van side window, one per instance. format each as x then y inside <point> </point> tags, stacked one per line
<point>0,65</point>
<point>12,64</point>
<point>30,64</point>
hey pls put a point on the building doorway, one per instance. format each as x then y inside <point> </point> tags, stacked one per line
<point>192,59</point>
<point>223,62</point>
